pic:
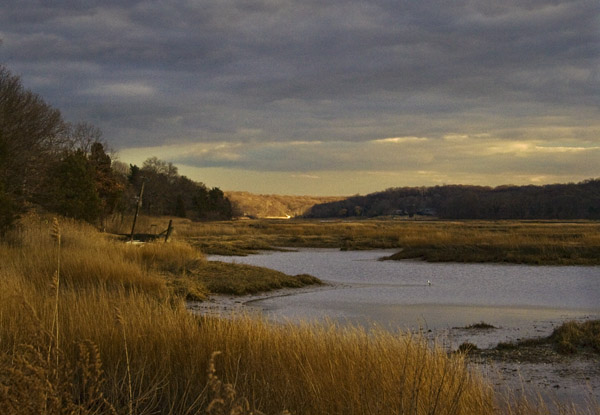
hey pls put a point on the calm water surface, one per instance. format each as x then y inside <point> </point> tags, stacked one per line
<point>521,301</point>
<point>396,294</point>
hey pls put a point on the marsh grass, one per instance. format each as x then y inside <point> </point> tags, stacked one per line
<point>152,355</point>
<point>174,257</point>
<point>238,279</point>
<point>154,361</point>
<point>482,325</point>
<point>558,243</point>
<point>571,337</point>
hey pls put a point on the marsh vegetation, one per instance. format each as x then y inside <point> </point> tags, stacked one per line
<point>571,337</point>
<point>549,243</point>
<point>89,324</point>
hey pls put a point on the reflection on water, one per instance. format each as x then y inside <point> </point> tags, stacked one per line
<point>396,294</point>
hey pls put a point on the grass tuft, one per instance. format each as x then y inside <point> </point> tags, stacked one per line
<point>482,325</point>
<point>574,336</point>
<point>571,337</point>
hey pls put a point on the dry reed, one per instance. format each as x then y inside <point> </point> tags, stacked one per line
<point>153,357</point>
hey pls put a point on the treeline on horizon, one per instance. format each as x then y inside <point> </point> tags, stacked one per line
<point>65,168</point>
<point>547,202</point>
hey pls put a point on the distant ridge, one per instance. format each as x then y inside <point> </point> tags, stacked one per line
<point>553,201</point>
<point>276,206</point>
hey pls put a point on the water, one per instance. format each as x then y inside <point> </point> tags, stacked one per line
<point>396,294</point>
<point>521,301</point>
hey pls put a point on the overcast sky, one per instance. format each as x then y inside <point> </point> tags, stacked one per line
<point>324,97</point>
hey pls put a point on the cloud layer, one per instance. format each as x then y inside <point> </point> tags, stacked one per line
<point>465,90</point>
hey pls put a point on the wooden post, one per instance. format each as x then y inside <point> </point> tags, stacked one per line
<point>169,230</point>
<point>137,210</point>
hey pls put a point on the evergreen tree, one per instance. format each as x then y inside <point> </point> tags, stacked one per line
<point>73,188</point>
<point>107,184</point>
<point>180,207</point>
<point>134,176</point>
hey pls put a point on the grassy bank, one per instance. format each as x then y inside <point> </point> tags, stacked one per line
<point>550,243</point>
<point>238,279</point>
<point>89,325</point>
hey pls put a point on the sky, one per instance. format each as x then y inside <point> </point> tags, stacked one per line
<point>327,97</point>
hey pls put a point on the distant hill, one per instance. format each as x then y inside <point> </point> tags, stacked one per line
<point>555,201</point>
<point>275,206</point>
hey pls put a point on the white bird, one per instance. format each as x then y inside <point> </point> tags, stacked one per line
<point>428,282</point>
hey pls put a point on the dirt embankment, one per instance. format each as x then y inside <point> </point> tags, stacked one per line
<point>276,206</point>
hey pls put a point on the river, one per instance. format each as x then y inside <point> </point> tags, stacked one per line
<point>440,300</point>
<point>523,300</point>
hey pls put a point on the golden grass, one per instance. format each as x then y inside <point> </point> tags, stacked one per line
<point>174,257</point>
<point>309,369</point>
<point>561,243</point>
<point>239,279</point>
<point>128,347</point>
<point>87,261</point>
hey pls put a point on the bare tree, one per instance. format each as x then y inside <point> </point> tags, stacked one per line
<point>31,131</point>
<point>82,136</point>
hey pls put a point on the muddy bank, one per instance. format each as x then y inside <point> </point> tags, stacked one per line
<point>225,305</point>
<point>533,370</point>
<point>540,370</point>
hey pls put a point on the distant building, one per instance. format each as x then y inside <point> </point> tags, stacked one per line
<point>427,212</point>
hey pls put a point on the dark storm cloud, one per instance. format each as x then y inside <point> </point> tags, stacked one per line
<point>158,72</point>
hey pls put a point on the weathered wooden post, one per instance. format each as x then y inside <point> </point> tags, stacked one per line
<point>169,230</point>
<point>137,210</point>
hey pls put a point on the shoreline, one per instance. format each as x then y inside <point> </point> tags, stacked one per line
<point>541,373</point>
<point>218,304</point>
<point>555,378</point>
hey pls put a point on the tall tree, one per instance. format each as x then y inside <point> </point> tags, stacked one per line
<point>168,193</point>
<point>108,186</point>
<point>72,187</point>
<point>31,135</point>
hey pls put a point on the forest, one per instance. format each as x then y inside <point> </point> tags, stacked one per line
<point>66,168</point>
<point>556,201</point>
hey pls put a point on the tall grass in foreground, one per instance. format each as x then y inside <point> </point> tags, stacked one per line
<point>161,367</point>
<point>127,347</point>
<point>163,357</point>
